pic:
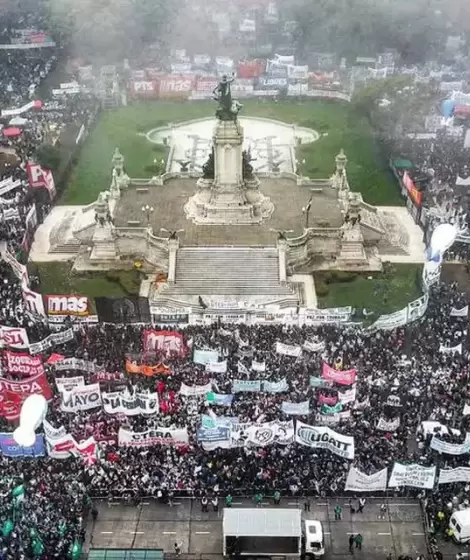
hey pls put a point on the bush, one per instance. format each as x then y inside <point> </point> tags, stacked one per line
<point>338,276</point>
<point>322,289</point>
<point>48,156</point>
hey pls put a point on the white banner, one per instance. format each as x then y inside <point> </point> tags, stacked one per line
<point>360,482</point>
<point>261,434</point>
<point>451,448</point>
<point>347,396</point>
<point>313,346</point>
<point>12,337</point>
<point>296,409</point>
<point>324,438</point>
<point>388,425</point>
<point>52,340</point>
<point>258,366</point>
<point>412,475</point>
<point>157,436</point>
<point>448,476</point>
<point>51,432</point>
<point>21,110</point>
<point>287,350</point>
<point>217,367</point>
<point>123,402</point>
<point>77,363</point>
<point>8,185</point>
<point>68,384</point>
<point>81,398</point>
<point>459,312</point>
<point>451,350</point>
<point>195,390</point>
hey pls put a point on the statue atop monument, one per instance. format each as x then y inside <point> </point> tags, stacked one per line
<point>228,107</point>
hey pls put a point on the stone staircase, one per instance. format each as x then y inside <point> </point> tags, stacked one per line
<point>370,218</point>
<point>61,238</point>
<point>228,271</point>
<point>396,239</point>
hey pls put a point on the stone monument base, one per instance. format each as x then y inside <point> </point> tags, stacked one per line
<point>228,198</point>
<point>216,206</point>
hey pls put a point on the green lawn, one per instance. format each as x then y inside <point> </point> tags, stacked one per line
<point>124,128</point>
<point>382,292</point>
<point>58,278</point>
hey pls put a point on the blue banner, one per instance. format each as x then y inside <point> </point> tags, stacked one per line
<point>219,433</point>
<point>248,385</point>
<point>223,400</point>
<point>10,448</point>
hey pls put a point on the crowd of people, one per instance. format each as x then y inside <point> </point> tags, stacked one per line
<point>403,379</point>
<point>405,363</point>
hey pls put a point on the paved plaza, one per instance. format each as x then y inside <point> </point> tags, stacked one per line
<point>271,143</point>
<point>168,202</point>
<point>155,525</point>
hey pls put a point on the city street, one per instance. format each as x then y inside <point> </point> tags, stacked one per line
<point>154,525</point>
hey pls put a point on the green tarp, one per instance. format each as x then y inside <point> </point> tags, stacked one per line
<point>402,163</point>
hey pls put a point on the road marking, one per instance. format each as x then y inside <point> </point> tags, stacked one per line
<point>405,505</point>
<point>237,503</point>
<point>291,503</point>
<point>145,503</point>
<point>202,532</point>
<point>106,532</point>
<point>326,533</point>
<point>417,534</point>
<point>169,532</point>
<point>350,533</point>
<point>384,533</point>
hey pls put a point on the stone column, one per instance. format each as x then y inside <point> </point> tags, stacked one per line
<point>173,245</point>
<point>282,250</point>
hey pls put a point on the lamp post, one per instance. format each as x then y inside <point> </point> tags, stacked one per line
<point>148,211</point>
<point>306,210</point>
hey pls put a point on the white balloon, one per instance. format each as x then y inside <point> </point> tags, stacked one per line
<point>33,412</point>
<point>442,238</point>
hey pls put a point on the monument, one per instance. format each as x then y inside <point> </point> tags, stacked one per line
<point>228,192</point>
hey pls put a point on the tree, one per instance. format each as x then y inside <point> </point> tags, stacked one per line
<point>48,156</point>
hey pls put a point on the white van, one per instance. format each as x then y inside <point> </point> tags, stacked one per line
<point>460,523</point>
<point>314,543</point>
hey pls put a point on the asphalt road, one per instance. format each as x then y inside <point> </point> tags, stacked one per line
<point>155,525</point>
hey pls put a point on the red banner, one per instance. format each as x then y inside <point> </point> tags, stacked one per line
<point>462,110</point>
<point>206,84</point>
<point>66,305</point>
<point>167,342</point>
<point>21,363</point>
<point>40,177</point>
<point>415,195</point>
<point>144,89</point>
<point>339,376</point>
<point>329,400</point>
<point>13,393</point>
<point>175,87</point>
<point>250,69</point>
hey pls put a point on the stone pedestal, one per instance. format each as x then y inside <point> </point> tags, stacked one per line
<point>173,245</point>
<point>282,250</point>
<point>228,199</point>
